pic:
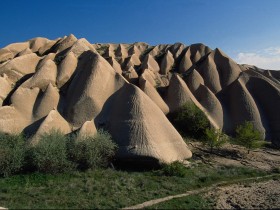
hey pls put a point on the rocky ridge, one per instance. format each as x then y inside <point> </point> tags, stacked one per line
<point>128,89</point>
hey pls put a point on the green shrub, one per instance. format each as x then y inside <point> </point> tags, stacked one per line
<point>174,169</point>
<point>214,138</point>
<point>12,151</point>
<point>93,152</point>
<point>49,155</point>
<point>191,121</point>
<point>248,136</point>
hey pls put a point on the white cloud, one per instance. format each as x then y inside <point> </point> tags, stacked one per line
<point>268,58</point>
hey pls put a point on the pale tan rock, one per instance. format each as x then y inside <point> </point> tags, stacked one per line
<point>266,95</point>
<point>66,69</point>
<point>153,77</point>
<point>97,81</point>
<point>131,75</point>
<point>226,92</point>
<point>121,52</point>
<point>186,62</point>
<point>25,64</point>
<point>239,106</point>
<point>134,50</point>
<point>81,46</point>
<point>194,80</point>
<point>65,43</point>
<point>150,91</point>
<point>109,51</point>
<point>178,93</point>
<point>37,43</point>
<point>115,65</point>
<point>23,99</point>
<point>197,56</point>
<point>11,120</point>
<point>228,70</point>
<point>150,63</point>
<point>42,50</point>
<point>88,129</point>
<point>133,61</point>
<point>43,76</point>
<point>177,49</point>
<point>47,101</point>
<point>53,122</point>
<point>142,46</point>
<point>166,63</point>
<point>149,76</point>
<point>25,52</point>
<point>5,55</point>
<point>199,50</point>
<point>158,49</point>
<point>5,87</point>
<point>15,48</point>
<point>211,104</point>
<point>140,128</point>
<point>208,70</point>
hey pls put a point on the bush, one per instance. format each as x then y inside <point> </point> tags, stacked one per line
<point>214,138</point>
<point>248,136</point>
<point>12,152</point>
<point>50,153</point>
<point>191,121</point>
<point>93,152</point>
<point>174,169</point>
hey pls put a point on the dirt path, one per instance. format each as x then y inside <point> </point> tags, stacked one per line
<point>212,188</point>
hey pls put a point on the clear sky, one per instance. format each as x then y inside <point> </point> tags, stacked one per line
<point>247,30</point>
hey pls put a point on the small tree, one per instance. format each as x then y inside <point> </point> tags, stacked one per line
<point>248,136</point>
<point>12,152</point>
<point>93,151</point>
<point>49,155</point>
<point>191,120</point>
<point>214,138</point>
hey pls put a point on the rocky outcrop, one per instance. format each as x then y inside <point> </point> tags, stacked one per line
<point>71,85</point>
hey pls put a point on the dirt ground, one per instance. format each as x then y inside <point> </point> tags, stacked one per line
<point>259,195</point>
<point>265,159</point>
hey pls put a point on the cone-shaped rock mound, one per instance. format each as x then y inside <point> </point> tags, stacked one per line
<point>128,89</point>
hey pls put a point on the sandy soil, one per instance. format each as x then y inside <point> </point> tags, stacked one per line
<point>265,159</point>
<point>262,195</point>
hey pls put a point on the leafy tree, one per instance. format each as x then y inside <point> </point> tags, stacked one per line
<point>12,152</point>
<point>49,155</point>
<point>214,138</point>
<point>191,121</point>
<point>93,151</point>
<point>248,136</point>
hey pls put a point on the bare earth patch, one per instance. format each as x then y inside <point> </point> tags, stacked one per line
<point>262,195</point>
<point>265,159</point>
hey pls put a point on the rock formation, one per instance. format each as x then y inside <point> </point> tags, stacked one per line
<point>74,86</point>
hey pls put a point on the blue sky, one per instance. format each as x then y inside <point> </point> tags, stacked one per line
<point>247,30</point>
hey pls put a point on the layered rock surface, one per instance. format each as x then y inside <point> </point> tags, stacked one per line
<point>72,85</point>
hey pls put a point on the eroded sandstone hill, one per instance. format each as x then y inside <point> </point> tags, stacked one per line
<point>72,85</point>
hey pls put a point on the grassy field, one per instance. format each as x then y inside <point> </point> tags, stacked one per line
<point>108,188</point>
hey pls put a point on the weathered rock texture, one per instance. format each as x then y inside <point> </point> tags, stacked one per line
<point>72,85</point>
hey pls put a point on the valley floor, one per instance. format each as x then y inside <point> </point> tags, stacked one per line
<point>229,178</point>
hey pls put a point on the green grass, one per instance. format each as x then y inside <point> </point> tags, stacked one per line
<point>107,188</point>
<point>188,202</point>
